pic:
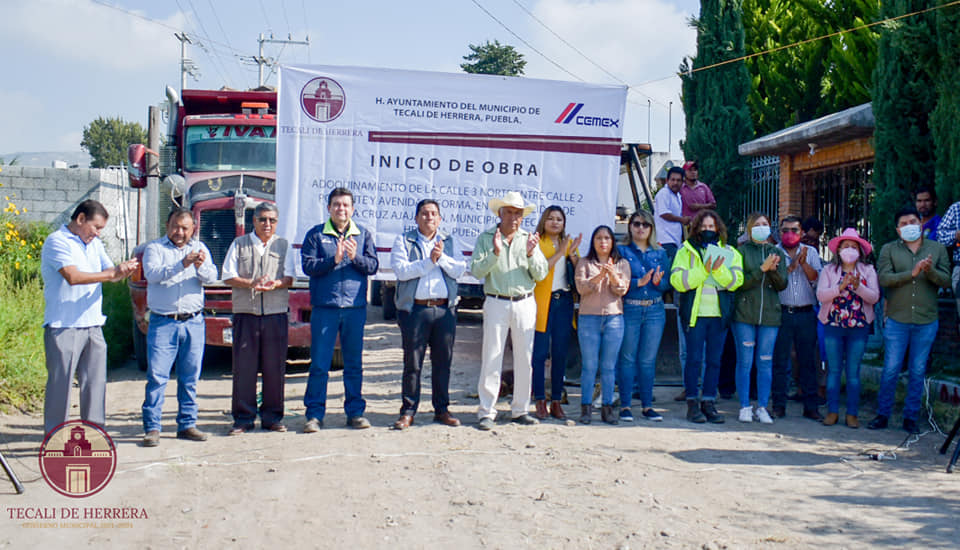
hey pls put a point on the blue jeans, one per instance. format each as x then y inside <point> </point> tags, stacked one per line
<point>896,338</point>
<point>704,343</point>
<point>600,338</point>
<point>643,328</point>
<point>325,323</point>
<point>844,347</point>
<point>753,340</point>
<point>172,342</point>
<point>556,339</point>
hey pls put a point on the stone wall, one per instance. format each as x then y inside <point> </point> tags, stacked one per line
<point>51,194</point>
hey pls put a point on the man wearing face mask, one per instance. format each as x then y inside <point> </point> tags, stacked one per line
<point>911,269</point>
<point>798,322</point>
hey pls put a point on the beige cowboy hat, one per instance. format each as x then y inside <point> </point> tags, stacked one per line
<point>512,199</point>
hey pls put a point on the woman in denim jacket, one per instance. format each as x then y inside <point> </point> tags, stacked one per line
<point>643,314</point>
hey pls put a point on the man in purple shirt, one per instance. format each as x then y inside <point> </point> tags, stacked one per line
<point>696,194</point>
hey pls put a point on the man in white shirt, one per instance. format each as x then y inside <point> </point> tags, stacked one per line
<point>427,265</point>
<point>73,263</point>
<point>667,213</point>
<point>259,266</point>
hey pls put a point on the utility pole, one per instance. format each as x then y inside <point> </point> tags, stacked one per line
<point>186,65</point>
<point>261,61</point>
<point>670,131</point>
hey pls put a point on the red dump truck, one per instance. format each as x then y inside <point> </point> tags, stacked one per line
<point>219,160</point>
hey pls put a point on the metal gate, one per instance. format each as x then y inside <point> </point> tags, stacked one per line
<point>762,191</point>
<point>840,197</point>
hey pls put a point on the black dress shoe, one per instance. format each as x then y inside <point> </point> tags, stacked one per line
<point>240,430</point>
<point>778,411</point>
<point>910,426</point>
<point>813,414</point>
<point>878,423</point>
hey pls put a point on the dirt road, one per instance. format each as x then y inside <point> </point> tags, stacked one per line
<point>795,484</point>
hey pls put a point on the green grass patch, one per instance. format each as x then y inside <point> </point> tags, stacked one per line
<point>117,330</point>
<point>22,370</point>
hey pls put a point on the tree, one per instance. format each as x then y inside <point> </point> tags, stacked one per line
<point>904,94</point>
<point>813,79</point>
<point>945,118</point>
<point>106,139</point>
<point>494,59</point>
<point>715,103</point>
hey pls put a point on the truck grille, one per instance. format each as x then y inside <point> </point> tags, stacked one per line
<point>217,231</point>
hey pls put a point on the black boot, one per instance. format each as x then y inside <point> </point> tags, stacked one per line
<point>693,412</point>
<point>709,409</point>
<point>606,413</point>
<point>586,411</point>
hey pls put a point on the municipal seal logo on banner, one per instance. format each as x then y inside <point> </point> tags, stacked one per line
<point>78,459</point>
<point>322,99</point>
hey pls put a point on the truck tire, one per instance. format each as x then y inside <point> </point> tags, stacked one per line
<point>389,305</point>
<point>139,347</point>
<point>376,298</point>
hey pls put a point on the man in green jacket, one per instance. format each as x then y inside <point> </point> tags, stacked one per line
<point>911,269</point>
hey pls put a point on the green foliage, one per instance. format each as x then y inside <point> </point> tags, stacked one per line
<point>945,118</point>
<point>22,371</point>
<point>904,95</point>
<point>715,103</point>
<point>107,139</point>
<point>116,331</point>
<point>812,79</point>
<point>494,59</point>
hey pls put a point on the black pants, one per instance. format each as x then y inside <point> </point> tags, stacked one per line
<point>259,345</point>
<point>798,330</point>
<point>419,327</point>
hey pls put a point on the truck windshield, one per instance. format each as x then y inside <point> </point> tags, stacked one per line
<point>230,148</point>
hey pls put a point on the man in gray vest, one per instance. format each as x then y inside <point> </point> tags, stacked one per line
<point>427,265</point>
<point>260,268</point>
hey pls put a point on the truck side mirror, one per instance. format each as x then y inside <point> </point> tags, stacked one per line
<point>137,169</point>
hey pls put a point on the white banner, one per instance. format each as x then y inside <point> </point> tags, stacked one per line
<point>395,137</point>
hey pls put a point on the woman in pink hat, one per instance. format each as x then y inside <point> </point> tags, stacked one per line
<point>847,291</point>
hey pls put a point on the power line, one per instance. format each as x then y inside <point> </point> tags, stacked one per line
<point>517,36</point>
<point>266,18</point>
<point>215,59</point>
<point>583,55</point>
<point>806,41</point>
<point>219,24</point>
<point>303,7</point>
<point>283,7</point>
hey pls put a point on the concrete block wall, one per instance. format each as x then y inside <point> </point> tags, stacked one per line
<point>51,194</point>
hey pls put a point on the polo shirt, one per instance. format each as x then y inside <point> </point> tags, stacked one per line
<point>72,306</point>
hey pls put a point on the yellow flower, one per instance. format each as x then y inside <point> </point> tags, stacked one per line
<point>23,242</point>
<point>29,257</point>
<point>24,208</point>
<point>16,265</point>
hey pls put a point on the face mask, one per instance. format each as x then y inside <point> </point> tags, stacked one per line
<point>790,240</point>
<point>708,237</point>
<point>849,255</point>
<point>760,233</point>
<point>910,232</point>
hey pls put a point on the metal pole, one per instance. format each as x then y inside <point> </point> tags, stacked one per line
<point>670,131</point>
<point>260,62</point>
<point>649,158</point>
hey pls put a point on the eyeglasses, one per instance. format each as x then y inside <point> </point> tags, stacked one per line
<point>786,230</point>
<point>267,220</point>
<point>646,225</point>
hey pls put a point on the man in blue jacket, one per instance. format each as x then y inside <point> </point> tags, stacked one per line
<point>338,256</point>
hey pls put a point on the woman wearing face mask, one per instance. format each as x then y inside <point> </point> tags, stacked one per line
<point>643,314</point>
<point>602,278</point>
<point>757,317</point>
<point>847,291</point>
<point>705,272</point>
<point>554,310</point>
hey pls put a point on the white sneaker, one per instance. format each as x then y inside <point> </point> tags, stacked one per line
<point>763,416</point>
<point>746,414</point>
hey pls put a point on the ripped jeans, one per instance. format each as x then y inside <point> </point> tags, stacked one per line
<point>759,341</point>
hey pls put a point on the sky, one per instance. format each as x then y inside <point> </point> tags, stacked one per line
<point>71,61</point>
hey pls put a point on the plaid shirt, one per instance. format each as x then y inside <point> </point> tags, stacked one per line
<point>947,231</point>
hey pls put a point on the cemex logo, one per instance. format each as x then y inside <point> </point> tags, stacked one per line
<point>78,458</point>
<point>571,114</point>
<point>322,99</point>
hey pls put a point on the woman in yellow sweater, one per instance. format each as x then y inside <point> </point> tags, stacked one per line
<point>554,310</point>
